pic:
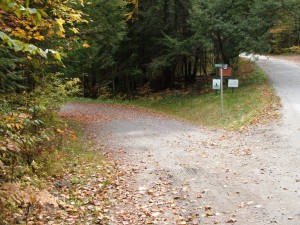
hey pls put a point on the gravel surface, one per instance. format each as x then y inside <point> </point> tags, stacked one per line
<point>178,173</point>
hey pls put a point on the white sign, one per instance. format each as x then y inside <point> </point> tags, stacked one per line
<point>233,83</point>
<point>216,84</point>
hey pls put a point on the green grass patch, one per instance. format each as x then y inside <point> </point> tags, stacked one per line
<point>75,151</point>
<point>254,101</point>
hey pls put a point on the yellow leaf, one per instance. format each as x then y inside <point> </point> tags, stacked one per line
<point>75,30</point>
<point>19,126</point>
<point>57,56</point>
<point>86,45</point>
<point>50,33</point>
<point>59,130</point>
<point>19,33</point>
<point>60,23</point>
<point>38,36</point>
<point>60,34</point>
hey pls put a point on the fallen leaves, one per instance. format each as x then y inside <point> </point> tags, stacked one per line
<point>161,197</point>
<point>93,113</point>
<point>83,194</point>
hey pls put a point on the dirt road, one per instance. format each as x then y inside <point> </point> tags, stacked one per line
<point>285,77</point>
<point>178,173</point>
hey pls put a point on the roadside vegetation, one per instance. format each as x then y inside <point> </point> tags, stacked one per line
<point>73,184</point>
<point>254,101</point>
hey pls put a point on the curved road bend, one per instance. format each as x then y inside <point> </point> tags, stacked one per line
<point>285,77</point>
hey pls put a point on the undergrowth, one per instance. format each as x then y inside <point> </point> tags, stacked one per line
<point>28,198</point>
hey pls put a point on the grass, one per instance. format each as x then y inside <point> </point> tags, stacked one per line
<point>253,102</point>
<point>73,152</point>
<point>241,107</point>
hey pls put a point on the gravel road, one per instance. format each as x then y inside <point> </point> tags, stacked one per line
<point>285,77</point>
<point>178,173</point>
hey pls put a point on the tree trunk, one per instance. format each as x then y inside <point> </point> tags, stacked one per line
<point>189,71</point>
<point>195,68</point>
<point>185,63</point>
<point>224,58</point>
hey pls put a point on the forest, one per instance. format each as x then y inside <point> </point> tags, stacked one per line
<point>120,46</point>
<point>50,50</point>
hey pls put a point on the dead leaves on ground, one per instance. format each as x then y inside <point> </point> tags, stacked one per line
<point>81,195</point>
<point>107,193</point>
<point>94,113</point>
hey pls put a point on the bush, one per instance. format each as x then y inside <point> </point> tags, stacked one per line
<point>28,126</point>
<point>293,50</point>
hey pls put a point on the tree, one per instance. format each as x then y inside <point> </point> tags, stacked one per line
<point>94,58</point>
<point>30,87</point>
<point>286,31</point>
<point>149,53</point>
<point>32,29</point>
<point>172,41</point>
<point>233,27</point>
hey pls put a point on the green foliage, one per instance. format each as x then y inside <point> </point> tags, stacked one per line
<point>93,58</point>
<point>169,43</point>
<point>27,125</point>
<point>18,45</point>
<point>31,87</point>
<point>286,31</point>
<point>293,50</point>
<point>10,76</point>
<point>234,27</point>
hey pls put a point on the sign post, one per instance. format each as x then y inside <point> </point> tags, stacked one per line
<point>221,66</point>
<point>222,96</point>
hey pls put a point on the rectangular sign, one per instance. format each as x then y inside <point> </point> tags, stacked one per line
<point>226,72</point>
<point>221,65</point>
<point>233,83</point>
<point>216,84</point>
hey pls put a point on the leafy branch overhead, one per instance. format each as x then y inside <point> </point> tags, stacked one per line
<point>18,45</point>
<point>28,24</point>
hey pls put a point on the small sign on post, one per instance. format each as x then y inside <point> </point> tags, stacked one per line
<point>233,83</point>
<point>216,85</point>
<point>221,66</point>
<point>223,71</point>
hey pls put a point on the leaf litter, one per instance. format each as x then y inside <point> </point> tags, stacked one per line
<point>120,197</point>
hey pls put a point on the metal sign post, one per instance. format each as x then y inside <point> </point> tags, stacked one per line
<point>222,70</point>
<point>222,98</point>
<point>221,66</point>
